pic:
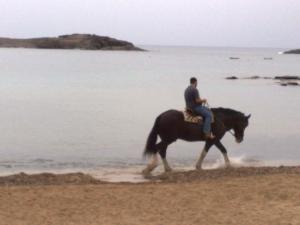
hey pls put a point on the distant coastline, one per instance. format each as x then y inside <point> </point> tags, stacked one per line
<point>73,41</point>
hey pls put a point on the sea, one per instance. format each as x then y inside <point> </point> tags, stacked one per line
<point>91,111</point>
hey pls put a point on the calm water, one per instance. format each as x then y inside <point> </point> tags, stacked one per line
<point>86,110</point>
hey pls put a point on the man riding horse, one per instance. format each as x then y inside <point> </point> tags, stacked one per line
<point>171,126</point>
<point>195,104</point>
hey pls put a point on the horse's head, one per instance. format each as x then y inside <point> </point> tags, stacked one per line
<point>233,119</point>
<point>240,126</point>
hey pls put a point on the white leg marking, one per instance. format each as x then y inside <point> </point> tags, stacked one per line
<point>151,166</point>
<point>200,160</point>
<point>166,165</point>
<point>227,162</point>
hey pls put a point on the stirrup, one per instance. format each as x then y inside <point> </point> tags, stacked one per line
<point>210,136</point>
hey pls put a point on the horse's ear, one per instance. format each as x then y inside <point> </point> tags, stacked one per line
<point>248,116</point>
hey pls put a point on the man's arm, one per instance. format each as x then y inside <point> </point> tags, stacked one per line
<point>198,99</point>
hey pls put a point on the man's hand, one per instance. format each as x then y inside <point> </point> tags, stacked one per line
<point>203,100</point>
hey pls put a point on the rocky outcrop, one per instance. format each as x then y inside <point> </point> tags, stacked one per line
<point>282,80</point>
<point>249,78</point>
<point>290,83</point>
<point>293,51</point>
<point>287,78</point>
<point>73,41</point>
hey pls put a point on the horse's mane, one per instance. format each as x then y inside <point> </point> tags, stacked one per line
<point>228,111</point>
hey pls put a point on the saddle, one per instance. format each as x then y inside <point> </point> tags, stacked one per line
<point>191,117</point>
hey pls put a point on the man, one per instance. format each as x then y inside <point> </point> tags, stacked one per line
<point>194,102</point>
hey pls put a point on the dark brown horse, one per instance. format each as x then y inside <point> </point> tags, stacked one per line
<point>170,126</point>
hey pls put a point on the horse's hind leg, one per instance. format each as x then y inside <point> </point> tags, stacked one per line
<point>154,161</point>
<point>163,153</point>
<point>152,165</point>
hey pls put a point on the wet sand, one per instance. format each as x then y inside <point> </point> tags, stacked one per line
<point>265,195</point>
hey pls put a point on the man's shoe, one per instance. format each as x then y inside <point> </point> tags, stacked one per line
<point>209,136</point>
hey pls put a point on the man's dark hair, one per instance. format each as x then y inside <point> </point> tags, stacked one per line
<point>193,80</point>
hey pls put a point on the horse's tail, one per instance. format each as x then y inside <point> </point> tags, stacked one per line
<point>150,148</point>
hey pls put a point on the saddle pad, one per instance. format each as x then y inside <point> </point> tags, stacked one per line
<point>191,118</point>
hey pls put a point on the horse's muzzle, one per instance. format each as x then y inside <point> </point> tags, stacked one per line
<point>238,140</point>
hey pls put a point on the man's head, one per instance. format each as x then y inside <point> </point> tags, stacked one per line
<point>193,81</point>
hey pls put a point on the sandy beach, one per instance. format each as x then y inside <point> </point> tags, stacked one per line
<point>266,195</point>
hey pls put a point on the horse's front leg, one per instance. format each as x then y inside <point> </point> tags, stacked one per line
<point>207,146</point>
<point>221,147</point>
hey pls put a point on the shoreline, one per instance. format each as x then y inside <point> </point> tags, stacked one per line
<point>80,178</point>
<point>133,173</point>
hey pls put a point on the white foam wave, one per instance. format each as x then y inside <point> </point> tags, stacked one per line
<point>131,174</point>
<point>238,161</point>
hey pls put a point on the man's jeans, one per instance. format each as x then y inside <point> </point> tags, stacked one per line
<point>204,112</point>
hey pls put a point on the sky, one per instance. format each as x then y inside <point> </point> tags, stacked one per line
<point>226,23</point>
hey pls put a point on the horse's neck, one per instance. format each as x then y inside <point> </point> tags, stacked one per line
<point>229,117</point>
<point>228,120</point>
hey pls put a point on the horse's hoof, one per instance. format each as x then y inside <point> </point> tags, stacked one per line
<point>146,172</point>
<point>168,170</point>
<point>149,169</point>
<point>198,167</point>
<point>228,166</point>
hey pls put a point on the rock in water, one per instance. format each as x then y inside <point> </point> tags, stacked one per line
<point>287,78</point>
<point>232,78</point>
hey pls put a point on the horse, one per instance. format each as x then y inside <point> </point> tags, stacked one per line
<point>170,126</point>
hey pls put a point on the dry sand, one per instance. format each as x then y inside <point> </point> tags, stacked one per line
<point>244,196</point>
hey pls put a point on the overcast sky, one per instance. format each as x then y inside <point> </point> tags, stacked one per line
<point>240,23</point>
